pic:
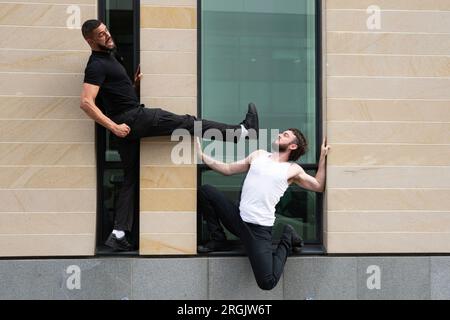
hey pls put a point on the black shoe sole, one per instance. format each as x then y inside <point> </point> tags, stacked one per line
<point>203,249</point>
<point>252,109</point>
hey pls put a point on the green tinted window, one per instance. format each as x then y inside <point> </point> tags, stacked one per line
<point>263,51</point>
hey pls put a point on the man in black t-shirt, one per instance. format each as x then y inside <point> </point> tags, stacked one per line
<point>107,85</point>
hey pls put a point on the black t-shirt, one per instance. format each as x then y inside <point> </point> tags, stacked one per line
<point>116,94</point>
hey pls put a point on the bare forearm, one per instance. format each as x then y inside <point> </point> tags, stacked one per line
<point>216,165</point>
<point>321,173</point>
<point>97,115</point>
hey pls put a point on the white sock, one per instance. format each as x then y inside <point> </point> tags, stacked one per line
<point>244,132</point>
<point>119,234</point>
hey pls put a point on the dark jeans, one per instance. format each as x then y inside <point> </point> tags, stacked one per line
<point>267,263</point>
<point>147,122</point>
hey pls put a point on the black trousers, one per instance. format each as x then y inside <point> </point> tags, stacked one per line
<point>147,122</point>
<point>267,263</point>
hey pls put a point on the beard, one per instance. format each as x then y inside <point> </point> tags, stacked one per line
<point>277,147</point>
<point>105,48</point>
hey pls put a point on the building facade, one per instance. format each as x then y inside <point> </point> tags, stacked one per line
<point>385,111</point>
<point>387,117</point>
<point>48,190</point>
<point>371,76</point>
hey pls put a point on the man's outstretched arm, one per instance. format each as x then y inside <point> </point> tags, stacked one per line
<point>227,169</point>
<point>88,105</point>
<point>317,183</point>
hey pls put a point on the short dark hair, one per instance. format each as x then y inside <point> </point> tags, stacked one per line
<point>89,26</point>
<point>302,144</point>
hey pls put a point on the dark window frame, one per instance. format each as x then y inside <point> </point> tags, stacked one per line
<point>316,246</point>
<point>101,136</point>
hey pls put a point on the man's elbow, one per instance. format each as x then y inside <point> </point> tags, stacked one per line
<point>85,104</point>
<point>317,187</point>
<point>227,173</point>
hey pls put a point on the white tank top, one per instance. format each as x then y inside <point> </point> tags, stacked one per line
<point>265,184</point>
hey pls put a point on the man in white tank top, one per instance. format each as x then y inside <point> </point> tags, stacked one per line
<point>269,176</point>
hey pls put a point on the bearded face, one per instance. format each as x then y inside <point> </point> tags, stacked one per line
<point>102,39</point>
<point>284,141</point>
<point>107,45</point>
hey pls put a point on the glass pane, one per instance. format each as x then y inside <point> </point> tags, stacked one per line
<point>230,186</point>
<point>261,51</point>
<point>112,181</point>
<point>119,20</point>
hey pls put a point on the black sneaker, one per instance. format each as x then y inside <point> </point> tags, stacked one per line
<point>251,122</point>
<point>296,240</point>
<point>118,244</point>
<point>214,245</point>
